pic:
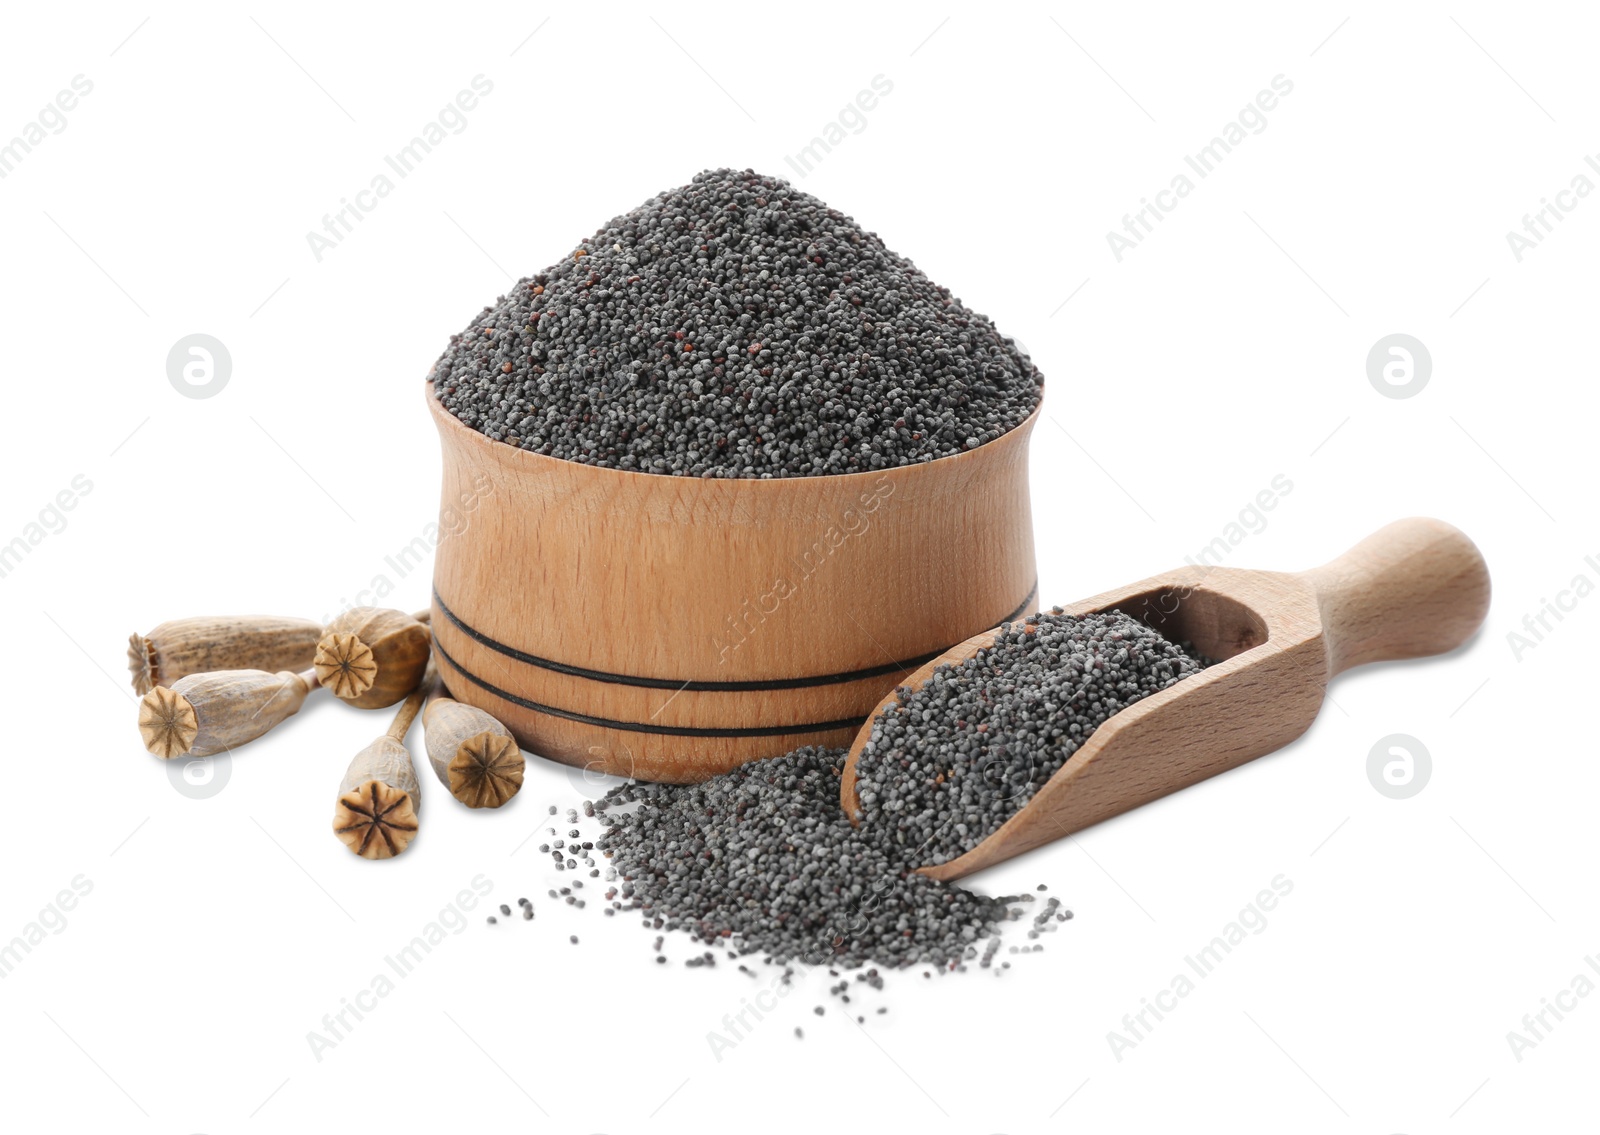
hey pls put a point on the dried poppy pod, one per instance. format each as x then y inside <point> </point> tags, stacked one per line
<point>180,647</point>
<point>473,755</point>
<point>376,813</point>
<point>372,657</point>
<point>204,714</point>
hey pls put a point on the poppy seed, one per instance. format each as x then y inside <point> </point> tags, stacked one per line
<point>735,327</point>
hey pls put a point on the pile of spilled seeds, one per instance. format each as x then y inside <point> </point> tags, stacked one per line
<point>672,861</point>
<point>735,327</point>
<point>764,857</point>
<point>953,759</point>
<point>763,861</point>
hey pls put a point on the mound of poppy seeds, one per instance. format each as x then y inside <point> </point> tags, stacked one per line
<point>762,859</point>
<point>735,327</point>
<point>956,757</point>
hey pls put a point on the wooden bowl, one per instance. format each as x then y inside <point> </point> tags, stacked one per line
<point>672,628</point>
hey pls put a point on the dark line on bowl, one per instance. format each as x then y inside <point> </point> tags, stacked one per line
<point>765,685</point>
<point>645,727</point>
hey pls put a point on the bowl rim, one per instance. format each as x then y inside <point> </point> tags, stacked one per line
<point>444,419</point>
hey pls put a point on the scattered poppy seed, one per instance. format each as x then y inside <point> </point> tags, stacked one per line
<point>764,855</point>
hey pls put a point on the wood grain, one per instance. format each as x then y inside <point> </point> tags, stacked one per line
<point>607,591</point>
<point>1414,588</point>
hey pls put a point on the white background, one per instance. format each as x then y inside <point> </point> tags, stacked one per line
<point>1228,348</point>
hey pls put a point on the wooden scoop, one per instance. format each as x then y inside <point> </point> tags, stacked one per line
<point>1415,588</point>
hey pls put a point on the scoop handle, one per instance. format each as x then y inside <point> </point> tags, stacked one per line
<point>1413,588</point>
